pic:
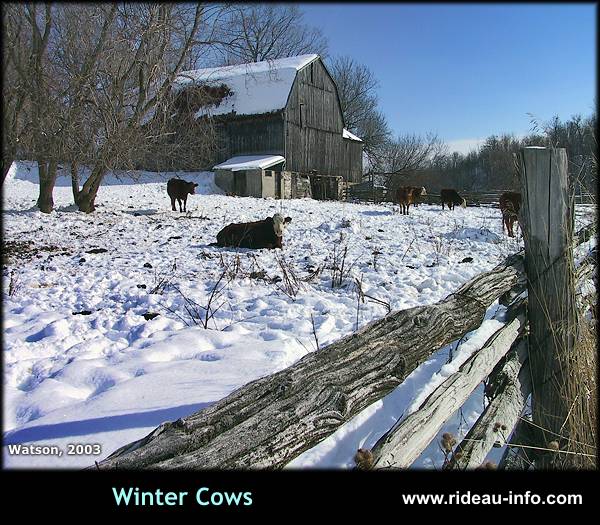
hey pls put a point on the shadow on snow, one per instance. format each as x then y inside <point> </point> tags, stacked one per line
<point>151,418</point>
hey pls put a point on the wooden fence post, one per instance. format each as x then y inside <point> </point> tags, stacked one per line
<point>546,220</point>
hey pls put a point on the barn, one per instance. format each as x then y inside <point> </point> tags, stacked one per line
<point>279,122</point>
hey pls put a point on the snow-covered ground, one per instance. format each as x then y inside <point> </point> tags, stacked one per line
<point>83,365</point>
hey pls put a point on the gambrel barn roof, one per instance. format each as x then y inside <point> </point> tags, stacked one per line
<point>258,87</point>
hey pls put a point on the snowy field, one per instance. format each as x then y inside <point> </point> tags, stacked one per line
<point>85,361</point>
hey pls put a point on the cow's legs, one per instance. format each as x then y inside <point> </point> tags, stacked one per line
<point>184,203</point>
<point>179,202</point>
<point>509,227</point>
<point>173,204</point>
<point>509,222</point>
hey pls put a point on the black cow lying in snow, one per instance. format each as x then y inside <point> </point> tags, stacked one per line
<point>451,198</point>
<point>267,233</point>
<point>179,189</point>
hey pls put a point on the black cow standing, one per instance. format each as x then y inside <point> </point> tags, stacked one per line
<point>179,189</point>
<point>452,198</point>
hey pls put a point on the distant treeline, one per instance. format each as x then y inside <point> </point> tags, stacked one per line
<point>491,166</point>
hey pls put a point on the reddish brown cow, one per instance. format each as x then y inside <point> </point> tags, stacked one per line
<point>404,197</point>
<point>510,204</point>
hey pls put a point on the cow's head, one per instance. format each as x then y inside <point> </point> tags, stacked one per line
<point>192,187</point>
<point>279,222</point>
<point>423,191</point>
<point>464,203</point>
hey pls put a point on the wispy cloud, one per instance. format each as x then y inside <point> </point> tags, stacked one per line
<point>464,145</point>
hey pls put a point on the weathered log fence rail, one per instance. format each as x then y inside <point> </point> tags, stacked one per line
<point>272,420</point>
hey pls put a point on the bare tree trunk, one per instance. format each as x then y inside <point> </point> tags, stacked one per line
<point>87,196</point>
<point>75,182</point>
<point>47,172</point>
<point>6,164</point>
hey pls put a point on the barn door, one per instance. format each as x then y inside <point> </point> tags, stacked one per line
<point>239,183</point>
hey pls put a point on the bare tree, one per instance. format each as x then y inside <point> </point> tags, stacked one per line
<point>28,28</point>
<point>497,155</point>
<point>83,38</point>
<point>257,32</point>
<point>407,154</point>
<point>148,46</point>
<point>14,89</point>
<point>51,58</point>
<point>357,87</point>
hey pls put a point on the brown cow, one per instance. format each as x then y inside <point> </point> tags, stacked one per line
<point>404,197</point>
<point>510,204</point>
<point>418,191</point>
<point>179,189</point>
<point>451,198</point>
<point>267,233</point>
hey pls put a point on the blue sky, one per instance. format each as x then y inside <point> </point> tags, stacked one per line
<point>467,71</point>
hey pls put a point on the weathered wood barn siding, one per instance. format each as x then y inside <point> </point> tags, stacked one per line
<point>252,135</point>
<point>353,152</point>
<point>314,126</point>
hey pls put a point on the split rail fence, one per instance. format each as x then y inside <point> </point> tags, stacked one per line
<point>365,192</point>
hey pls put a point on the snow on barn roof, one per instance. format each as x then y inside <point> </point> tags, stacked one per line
<point>347,135</point>
<point>249,162</point>
<point>258,87</point>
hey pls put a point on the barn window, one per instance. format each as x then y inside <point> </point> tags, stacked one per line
<point>311,74</point>
<point>301,114</point>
